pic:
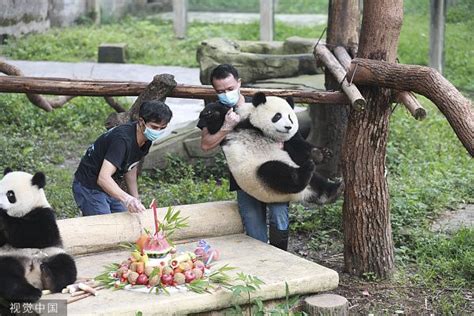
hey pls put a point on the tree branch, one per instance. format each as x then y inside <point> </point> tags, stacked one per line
<point>36,99</point>
<point>425,81</point>
<point>321,53</point>
<point>407,98</point>
<point>75,87</point>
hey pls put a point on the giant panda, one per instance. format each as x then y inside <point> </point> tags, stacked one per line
<point>32,258</point>
<point>267,157</point>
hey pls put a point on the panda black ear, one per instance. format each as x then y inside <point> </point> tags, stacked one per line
<point>259,98</point>
<point>39,179</point>
<point>291,102</point>
<point>7,170</point>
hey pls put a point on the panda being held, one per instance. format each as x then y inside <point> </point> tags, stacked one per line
<point>267,157</point>
<point>32,258</point>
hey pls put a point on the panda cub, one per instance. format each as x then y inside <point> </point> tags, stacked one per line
<point>31,254</point>
<point>267,157</point>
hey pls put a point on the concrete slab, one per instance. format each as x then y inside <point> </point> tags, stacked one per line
<point>271,265</point>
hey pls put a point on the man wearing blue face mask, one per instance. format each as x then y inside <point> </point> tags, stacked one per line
<point>226,83</point>
<point>117,153</point>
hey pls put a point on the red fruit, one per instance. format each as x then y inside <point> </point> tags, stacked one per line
<point>167,279</point>
<point>189,276</point>
<point>142,279</point>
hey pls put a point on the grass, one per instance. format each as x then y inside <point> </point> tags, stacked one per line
<point>429,170</point>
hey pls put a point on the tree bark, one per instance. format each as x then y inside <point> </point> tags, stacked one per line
<point>426,81</point>
<point>75,87</point>
<point>368,243</point>
<point>329,122</point>
<point>158,89</point>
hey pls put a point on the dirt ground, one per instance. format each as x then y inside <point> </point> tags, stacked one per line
<point>378,297</point>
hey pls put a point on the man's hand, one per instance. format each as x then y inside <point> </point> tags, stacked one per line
<point>134,205</point>
<point>230,121</point>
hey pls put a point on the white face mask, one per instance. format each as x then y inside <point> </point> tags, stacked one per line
<point>230,98</point>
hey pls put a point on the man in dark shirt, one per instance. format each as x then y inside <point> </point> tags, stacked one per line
<point>116,153</point>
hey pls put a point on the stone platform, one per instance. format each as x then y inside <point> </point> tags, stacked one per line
<point>247,255</point>
<point>94,241</point>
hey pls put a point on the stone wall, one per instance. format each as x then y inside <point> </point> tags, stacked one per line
<point>23,16</point>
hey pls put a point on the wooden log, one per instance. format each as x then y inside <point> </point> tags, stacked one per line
<point>409,100</point>
<point>425,81</point>
<point>326,305</point>
<point>36,99</point>
<point>406,98</point>
<point>321,53</point>
<point>75,87</point>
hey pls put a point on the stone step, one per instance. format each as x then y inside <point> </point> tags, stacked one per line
<point>95,240</point>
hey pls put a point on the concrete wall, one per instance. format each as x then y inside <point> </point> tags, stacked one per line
<point>19,17</point>
<point>66,12</point>
<point>23,16</point>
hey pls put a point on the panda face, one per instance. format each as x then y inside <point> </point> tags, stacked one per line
<point>276,118</point>
<point>20,192</point>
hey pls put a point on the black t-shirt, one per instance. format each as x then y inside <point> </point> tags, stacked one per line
<point>233,186</point>
<point>119,146</point>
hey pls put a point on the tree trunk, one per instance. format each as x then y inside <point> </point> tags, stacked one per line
<point>328,121</point>
<point>368,243</point>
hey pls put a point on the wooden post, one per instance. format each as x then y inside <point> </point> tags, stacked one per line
<point>93,8</point>
<point>180,19</point>
<point>267,20</point>
<point>438,14</point>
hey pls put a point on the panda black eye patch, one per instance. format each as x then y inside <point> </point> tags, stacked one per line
<point>11,196</point>
<point>289,117</point>
<point>276,117</point>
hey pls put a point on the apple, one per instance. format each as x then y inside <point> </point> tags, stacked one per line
<point>189,276</point>
<point>142,279</point>
<point>167,279</point>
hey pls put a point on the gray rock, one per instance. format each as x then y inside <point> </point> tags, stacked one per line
<point>255,60</point>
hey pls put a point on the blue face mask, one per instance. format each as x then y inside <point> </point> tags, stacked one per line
<point>152,134</point>
<point>230,98</point>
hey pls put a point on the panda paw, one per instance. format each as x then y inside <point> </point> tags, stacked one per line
<point>321,154</point>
